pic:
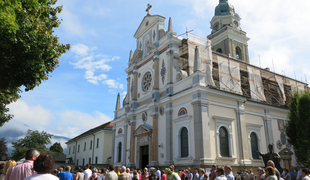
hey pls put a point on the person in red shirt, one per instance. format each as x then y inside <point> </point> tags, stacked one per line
<point>182,174</point>
<point>164,175</point>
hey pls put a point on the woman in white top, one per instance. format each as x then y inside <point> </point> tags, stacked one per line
<point>43,165</point>
<point>220,174</point>
<point>270,174</point>
<point>79,174</point>
<point>103,173</point>
<point>304,174</point>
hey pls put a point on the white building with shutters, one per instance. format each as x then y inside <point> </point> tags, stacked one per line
<point>91,147</point>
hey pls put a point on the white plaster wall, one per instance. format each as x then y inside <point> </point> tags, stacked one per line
<point>71,154</point>
<point>87,153</point>
<point>181,85</point>
<point>188,123</point>
<point>98,151</point>
<point>107,146</point>
<point>118,138</point>
<point>227,113</point>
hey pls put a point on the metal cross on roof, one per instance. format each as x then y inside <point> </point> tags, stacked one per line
<point>148,9</point>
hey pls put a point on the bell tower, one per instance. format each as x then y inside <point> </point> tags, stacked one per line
<point>227,36</point>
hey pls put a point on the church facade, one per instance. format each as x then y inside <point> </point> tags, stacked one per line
<point>197,101</point>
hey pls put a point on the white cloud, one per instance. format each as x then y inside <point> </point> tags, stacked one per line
<point>89,75</point>
<point>80,49</point>
<point>79,122</point>
<point>113,84</point>
<point>35,116</point>
<point>95,62</point>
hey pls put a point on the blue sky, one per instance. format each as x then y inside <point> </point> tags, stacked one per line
<point>82,91</point>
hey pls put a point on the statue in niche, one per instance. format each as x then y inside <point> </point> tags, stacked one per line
<point>275,157</point>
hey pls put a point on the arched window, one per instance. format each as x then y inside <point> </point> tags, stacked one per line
<point>238,53</point>
<point>219,50</point>
<point>254,145</point>
<point>184,142</point>
<point>119,152</point>
<point>224,143</point>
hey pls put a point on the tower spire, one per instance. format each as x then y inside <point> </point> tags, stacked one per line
<point>118,105</point>
<point>197,65</point>
<point>130,55</point>
<point>170,28</point>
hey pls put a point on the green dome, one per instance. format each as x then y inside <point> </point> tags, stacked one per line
<point>224,8</point>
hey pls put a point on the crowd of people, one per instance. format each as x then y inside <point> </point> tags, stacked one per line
<point>40,167</point>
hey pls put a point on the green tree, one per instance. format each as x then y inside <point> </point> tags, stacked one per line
<point>57,148</point>
<point>297,127</point>
<point>3,149</point>
<point>29,51</point>
<point>33,139</point>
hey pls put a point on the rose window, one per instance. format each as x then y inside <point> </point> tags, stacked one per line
<point>146,82</point>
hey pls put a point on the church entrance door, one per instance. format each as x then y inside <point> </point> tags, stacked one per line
<point>144,153</point>
<point>286,164</point>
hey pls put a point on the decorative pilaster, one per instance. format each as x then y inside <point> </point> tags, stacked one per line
<point>154,160</point>
<point>132,124</point>
<point>128,91</point>
<point>169,141</point>
<point>132,144</point>
<point>156,72</point>
<point>155,93</point>
<point>202,129</point>
<point>125,143</point>
<point>241,133</point>
<point>113,145</point>
<point>135,83</point>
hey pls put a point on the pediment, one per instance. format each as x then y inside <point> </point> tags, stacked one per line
<point>143,129</point>
<point>286,151</point>
<point>148,22</point>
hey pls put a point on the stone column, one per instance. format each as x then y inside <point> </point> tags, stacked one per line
<point>202,129</point>
<point>135,83</point>
<point>240,131</point>
<point>156,77</point>
<point>132,145</point>
<point>169,140</point>
<point>113,145</point>
<point>156,72</point>
<point>125,144</point>
<point>154,160</point>
<point>170,67</point>
<point>128,90</point>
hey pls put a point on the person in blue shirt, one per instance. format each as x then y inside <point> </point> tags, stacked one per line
<point>66,175</point>
<point>228,173</point>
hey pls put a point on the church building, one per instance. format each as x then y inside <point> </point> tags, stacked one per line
<point>197,101</point>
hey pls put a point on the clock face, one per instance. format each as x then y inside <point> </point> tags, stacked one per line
<point>216,26</point>
<point>236,23</point>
